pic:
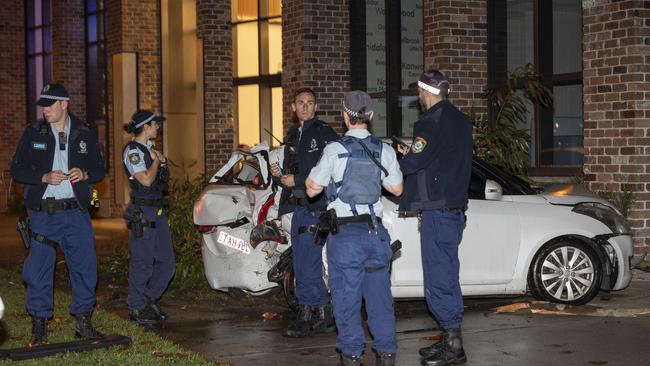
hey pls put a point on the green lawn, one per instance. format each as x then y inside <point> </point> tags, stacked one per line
<point>147,348</point>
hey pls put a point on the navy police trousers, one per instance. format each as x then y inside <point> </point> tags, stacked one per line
<point>440,236</point>
<point>152,260</point>
<point>307,260</point>
<point>72,230</point>
<point>358,262</point>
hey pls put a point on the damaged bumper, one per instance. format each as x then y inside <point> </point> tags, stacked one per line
<point>618,253</point>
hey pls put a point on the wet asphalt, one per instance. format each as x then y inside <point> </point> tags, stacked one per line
<point>614,329</point>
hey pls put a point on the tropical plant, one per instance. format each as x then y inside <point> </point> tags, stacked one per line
<point>499,138</point>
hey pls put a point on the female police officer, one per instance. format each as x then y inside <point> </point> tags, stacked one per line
<point>152,255</point>
<point>355,168</point>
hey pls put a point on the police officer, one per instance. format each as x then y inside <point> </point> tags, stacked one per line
<point>152,255</point>
<point>437,171</point>
<point>305,142</point>
<point>354,170</point>
<point>57,160</point>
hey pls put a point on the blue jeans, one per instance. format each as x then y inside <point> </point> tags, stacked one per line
<point>440,235</point>
<point>152,261</point>
<point>358,261</point>
<point>73,231</point>
<point>307,260</point>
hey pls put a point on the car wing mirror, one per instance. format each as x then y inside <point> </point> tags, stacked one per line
<point>493,190</point>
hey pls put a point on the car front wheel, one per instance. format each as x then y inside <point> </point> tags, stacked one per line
<point>567,272</point>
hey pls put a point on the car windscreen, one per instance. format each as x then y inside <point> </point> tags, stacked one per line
<point>242,172</point>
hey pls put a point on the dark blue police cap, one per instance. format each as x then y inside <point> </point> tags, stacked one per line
<point>433,81</point>
<point>51,94</point>
<point>143,117</point>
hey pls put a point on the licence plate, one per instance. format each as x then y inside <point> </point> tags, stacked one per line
<point>234,242</point>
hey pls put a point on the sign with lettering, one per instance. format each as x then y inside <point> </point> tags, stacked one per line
<point>234,242</point>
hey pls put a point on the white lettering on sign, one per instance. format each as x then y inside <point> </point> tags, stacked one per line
<point>234,242</point>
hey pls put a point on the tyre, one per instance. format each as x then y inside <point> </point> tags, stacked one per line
<point>289,288</point>
<point>566,272</point>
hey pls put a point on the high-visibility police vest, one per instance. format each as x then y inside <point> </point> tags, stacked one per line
<point>361,183</point>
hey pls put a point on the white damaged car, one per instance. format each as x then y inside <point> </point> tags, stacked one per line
<point>561,248</point>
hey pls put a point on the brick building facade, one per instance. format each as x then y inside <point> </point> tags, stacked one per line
<point>316,53</point>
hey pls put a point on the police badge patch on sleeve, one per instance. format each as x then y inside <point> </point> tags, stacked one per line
<point>418,145</point>
<point>134,158</point>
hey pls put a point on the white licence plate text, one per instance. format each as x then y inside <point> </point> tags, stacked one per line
<point>234,242</point>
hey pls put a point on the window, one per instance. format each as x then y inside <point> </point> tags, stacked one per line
<point>39,52</point>
<point>547,34</point>
<point>386,50</point>
<point>96,71</point>
<point>257,67</point>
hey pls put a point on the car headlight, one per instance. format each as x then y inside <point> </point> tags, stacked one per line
<point>605,214</point>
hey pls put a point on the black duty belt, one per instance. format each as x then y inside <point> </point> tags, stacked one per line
<point>303,202</point>
<point>359,219</point>
<point>451,209</point>
<point>159,202</point>
<point>51,204</point>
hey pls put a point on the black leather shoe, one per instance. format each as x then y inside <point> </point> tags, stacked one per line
<point>385,359</point>
<point>347,360</point>
<point>83,327</point>
<point>451,352</point>
<point>302,326</point>
<point>39,332</point>
<point>144,316</point>
<point>155,308</point>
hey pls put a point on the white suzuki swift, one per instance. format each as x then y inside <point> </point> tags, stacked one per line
<point>560,248</point>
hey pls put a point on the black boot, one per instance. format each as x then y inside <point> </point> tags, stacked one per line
<point>346,360</point>
<point>323,319</point>
<point>83,327</point>
<point>145,315</point>
<point>431,350</point>
<point>155,308</point>
<point>451,352</point>
<point>39,332</point>
<point>385,359</point>
<point>301,327</point>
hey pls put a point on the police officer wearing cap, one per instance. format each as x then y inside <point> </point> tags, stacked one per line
<point>354,169</point>
<point>437,172</point>
<point>304,145</point>
<point>57,160</point>
<point>152,255</point>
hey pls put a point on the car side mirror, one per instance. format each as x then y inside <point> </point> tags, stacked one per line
<point>493,190</point>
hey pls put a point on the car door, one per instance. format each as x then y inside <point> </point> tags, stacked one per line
<point>490,246</point>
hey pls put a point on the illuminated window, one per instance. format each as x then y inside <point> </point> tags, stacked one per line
<point>39,52</point>
<point>96,71</point>
<point>386,51</point>
<point>257,66</point>
<point>547,34</point>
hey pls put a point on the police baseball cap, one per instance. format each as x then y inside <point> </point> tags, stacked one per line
<point>143,117</point>
<point>433,81</point>
<point>358,104</point>
<point>51,94</point>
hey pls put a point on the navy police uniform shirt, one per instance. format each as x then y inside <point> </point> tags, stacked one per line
<point>34,157</point>
<point>304,147</point>
<point>438,167</point>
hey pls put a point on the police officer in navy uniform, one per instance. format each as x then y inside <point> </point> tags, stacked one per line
<point>57,160</point>
<point>437,172</point>
<point>354,169</point>
<point>152,255</point>
<point>305,142</point>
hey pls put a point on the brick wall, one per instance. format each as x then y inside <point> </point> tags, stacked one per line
<point>316,54</point>
<point>455,41</point>
<point>68,51</point>
<point>616,61</point>
<point>133,26</point>
<point>13,111</point>
<point>214,29</point>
